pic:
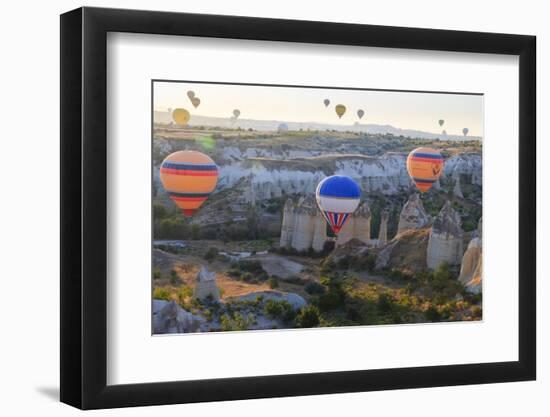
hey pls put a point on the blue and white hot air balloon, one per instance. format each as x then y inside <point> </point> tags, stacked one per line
<point>337,197</point>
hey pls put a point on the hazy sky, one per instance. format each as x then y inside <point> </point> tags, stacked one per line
<point>420,111</point>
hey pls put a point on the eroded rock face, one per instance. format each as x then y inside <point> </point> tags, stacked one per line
<point>413,216</point>
<point>472,261</point>
<point>383,233</point>
<point>406,251</point>
<point>168,317</point>
<point>457,191</point>
<point>446,237</point>
<point>206,287</point>
<point>357,226</point>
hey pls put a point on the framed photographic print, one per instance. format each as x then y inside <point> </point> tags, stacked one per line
<point>258,207</point>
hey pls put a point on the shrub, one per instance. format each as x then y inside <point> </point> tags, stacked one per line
<point>313,288</point>
<point>308,317</point>
<point>235,323</point>
<point>273,282</point>
<point>157,273</point>
<point>432,314</point>
<point>211,254</point>
<point>384,303</point>
<point>174,278</point>
<point>281,310</point>
<point>161,293</point>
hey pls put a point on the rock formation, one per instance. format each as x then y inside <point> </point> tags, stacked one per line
<point>357,226</point>
<point>205,287</point>
<point>446,236</point>
<point>383,233</point>
<point>287,227</point>
<point>413,215</point>
<point>457,191</point>
<point>319,232</point>
<point>470,261</point>
<point>471,267</point>
<point>406,251</point>
<point>304,214</point>
<point>168,317</point>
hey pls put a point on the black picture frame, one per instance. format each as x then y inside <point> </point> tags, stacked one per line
<point>84,207</point>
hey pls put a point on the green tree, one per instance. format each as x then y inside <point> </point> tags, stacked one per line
<point>308,317</point>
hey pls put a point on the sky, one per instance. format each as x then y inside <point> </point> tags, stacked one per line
<point>405,110</point>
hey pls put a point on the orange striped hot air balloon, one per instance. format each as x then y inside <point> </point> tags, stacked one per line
<point>425,166</point>
<point>188,177</point>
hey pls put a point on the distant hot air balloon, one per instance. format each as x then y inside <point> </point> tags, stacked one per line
<point>188,177</point>
<point>283,127</point>
<point>340,110</point>
<point>236,113</point>
<point>465,131</point>
<point>425,166</point>
<point>190,94</point>
<point>441,121</point>
<point>195,101</point>
<point>337,197</point>
<point>181,116</point>
<point>326,101</point>
<point>360,113</point>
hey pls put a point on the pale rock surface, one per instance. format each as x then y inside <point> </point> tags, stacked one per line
<point>446,237</point>
<point>287,228</point>
<point>457,191</point>
<point>383,233</point>
<point>304,225</point>
<point>413,215</point>
<point>357,226</point>
<point>295,300</point>
<point>205,286</point>
<point>470,261</point>
<point>168,317</point>
<point>471,268</point>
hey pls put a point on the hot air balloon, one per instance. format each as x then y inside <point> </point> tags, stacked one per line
<point>424,166</point>
<point>195,101</point>
<point>340,110</point>
<point>188,177</point>
<point>441,121</point>
<point>236,113</point>
<point>337,197</point>
<point>181,116</point>
<point>465,131</point>
<point>360,113</point>
<point>326,101</point>
<point>190,94</point>
<point>283,127</point>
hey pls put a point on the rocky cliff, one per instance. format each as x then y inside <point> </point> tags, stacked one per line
<point>357,226</point>
<point>413,216</point>
<point>446,238</point>
<point>206,287</point>
<point>472,261</point>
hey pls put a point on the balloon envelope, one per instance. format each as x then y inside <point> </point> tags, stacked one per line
<point>181,116</point>
<point>360,113</point>
<point>425,166</point>
<point>340,110</point>
<point>465,131</point>
<point>337,197</point>
<point>283,127</point>
<point>441,121</point>
<point>196,101</point>
<point>190,94</point>
<point>326,101</point>
<point>236,113</point>
<point>188,177</point>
